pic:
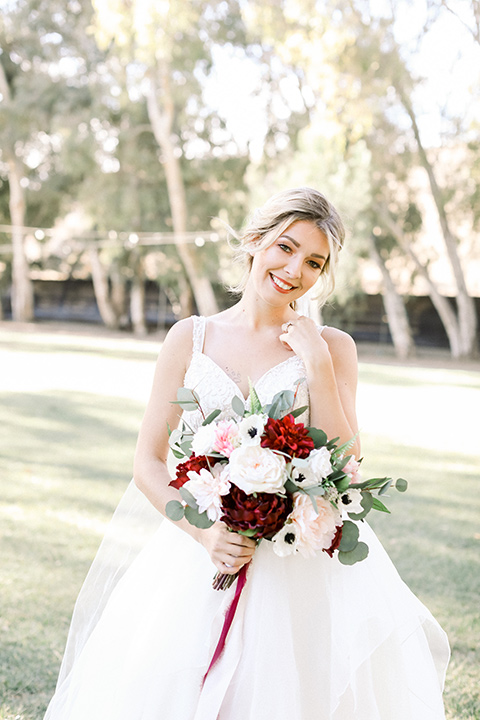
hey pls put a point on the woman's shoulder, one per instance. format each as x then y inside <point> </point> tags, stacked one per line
<point>340,343</point>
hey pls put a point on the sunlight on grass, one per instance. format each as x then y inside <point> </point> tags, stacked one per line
<point>71,407</point>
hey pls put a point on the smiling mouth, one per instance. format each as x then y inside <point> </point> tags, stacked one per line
<point>281,285</point>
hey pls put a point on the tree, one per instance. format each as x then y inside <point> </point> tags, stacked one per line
<point>38,51</point>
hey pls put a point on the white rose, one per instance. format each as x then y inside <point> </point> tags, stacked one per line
<point>320,462</point>
<point>204,439</point>
<point>257,469</point>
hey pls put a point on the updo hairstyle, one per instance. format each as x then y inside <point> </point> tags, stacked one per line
<point>269,222</point>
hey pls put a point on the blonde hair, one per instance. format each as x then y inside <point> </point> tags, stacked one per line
<point>269,222</point>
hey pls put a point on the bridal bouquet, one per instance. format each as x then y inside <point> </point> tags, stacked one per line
<point>268,477</point>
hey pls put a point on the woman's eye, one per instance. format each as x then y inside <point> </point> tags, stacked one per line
<point>284,247</point>
<point>315,265</point>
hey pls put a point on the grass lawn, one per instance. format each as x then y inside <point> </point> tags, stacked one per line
<point>71,404</point>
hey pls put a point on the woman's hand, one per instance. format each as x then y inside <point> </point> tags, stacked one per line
<point>228,550</point>
<point>303,337</point>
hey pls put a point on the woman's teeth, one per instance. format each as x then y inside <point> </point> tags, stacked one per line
<point>281,284</point>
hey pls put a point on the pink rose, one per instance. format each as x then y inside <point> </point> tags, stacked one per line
<point>352,469</point>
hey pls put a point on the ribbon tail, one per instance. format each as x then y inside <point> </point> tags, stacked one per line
<point>229,616</point>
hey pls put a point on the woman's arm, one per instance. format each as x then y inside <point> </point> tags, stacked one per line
<point>332,373</point>
<point>150,464</point>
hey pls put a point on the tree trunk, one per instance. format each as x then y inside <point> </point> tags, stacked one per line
<point>467,316</point>
<point>22,287</point>
<point>162,120</point>
<point>395,308</point>
<point>441,304</point>
<point>137,296</point>
<point>102,295</point>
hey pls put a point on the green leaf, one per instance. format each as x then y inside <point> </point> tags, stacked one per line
<point>187,399</point>
<point>175,510</point>
<point>238,406</point>
<point>281,404</point>
<point>176,453</point>
<point>318,436</point>
<point>210,418</point>
<point>378,505</point>
<point>299,411</point>
<point>315,490</point>
<point>401,485</point>
<point>200,520</point>
<point>255,403</point>
<point>342,484</point>
<point>188,497</point>
<point>290,486</point>
<point>247,533</point>
<point>367,504</point>
<point>349,539</point>
<point>384,489</point>
<point>357,555</point>
<point>187,446</point>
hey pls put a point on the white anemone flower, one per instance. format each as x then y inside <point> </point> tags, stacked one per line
<point>251,428</point>
<point>351,501</point>
<point>286,540</point>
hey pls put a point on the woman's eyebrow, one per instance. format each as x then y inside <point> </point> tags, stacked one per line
<point>298,245</point>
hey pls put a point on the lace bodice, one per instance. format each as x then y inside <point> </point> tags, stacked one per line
<point>216,389</point>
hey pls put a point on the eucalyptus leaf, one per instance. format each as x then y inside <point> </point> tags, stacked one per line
<point>315,490</point>
<point>318,436</point>
<point>238,406</point>
<point>281,404</point>
<point>210,418</point>
<point>357,555</point>
<point>175,510</point>
<point>300,381</point>
<point>176,453</point>
<point>350,535</point>
<point>367,504</point>
<point>199,520</point>
<point>385,488</point>
<point>401,485</point>
<point>187,446</point>
<point>188,497</point>
<point>290,486</point>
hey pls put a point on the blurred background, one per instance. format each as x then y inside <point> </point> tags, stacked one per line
<point>130,129</point>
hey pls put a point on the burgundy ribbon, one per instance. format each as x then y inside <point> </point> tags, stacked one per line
<point>230,614</point>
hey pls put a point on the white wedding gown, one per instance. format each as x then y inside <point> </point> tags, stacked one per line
<point>311,639</point>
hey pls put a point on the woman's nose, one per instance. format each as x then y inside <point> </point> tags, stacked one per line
<point>294,266</point>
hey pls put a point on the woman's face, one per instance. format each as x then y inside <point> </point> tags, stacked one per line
<point>291,265</point>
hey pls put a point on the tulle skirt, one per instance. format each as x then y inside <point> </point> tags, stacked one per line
<point>311,640</point>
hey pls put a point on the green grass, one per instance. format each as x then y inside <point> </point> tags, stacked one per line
<point>70,409</point>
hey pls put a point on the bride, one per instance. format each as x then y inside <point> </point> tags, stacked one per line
<point>311,639</point>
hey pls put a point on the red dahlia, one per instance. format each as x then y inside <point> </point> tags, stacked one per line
<point>193,463</point>
<point>287,436</point>
<point>263,512</point>
<point>335,542</point>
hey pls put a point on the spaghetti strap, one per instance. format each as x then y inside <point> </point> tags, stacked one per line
<point>199,323</point>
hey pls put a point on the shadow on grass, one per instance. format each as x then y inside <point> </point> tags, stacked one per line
<point>50,347</point>
<point>405,376</point>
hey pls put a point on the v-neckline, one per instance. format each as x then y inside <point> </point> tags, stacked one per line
<point>257,381</point>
